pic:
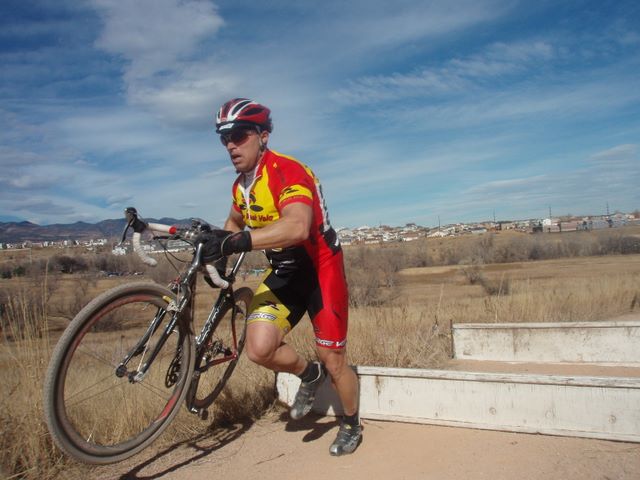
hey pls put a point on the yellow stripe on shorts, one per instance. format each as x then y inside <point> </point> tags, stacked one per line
<point>266,307</point>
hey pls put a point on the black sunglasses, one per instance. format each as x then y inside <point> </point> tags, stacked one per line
<point>237,136</point>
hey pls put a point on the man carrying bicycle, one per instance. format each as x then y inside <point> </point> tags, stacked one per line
<point>280,200</point>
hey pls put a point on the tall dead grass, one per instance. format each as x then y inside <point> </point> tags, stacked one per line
<point>402,336</point>
<point>556,300</point>
<point>26,450</point>
<point>519,247</point>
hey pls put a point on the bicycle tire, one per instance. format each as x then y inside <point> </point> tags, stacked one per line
<point>227,342</point>
<point>94,412</point>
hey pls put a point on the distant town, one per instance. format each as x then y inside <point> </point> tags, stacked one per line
<point>368,235</point>
<point>411,231</point>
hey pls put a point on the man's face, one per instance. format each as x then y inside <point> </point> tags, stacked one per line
<point>243,145</point>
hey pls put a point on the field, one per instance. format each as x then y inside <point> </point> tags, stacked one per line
<point>404,300</point>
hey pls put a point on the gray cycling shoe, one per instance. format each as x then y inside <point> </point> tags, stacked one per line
<point>348,439</point>
<point>306,395</point>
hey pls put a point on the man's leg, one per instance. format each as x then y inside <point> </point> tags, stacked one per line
<point>264,346</point>
<point>343,377</point>
<point>345,381</point>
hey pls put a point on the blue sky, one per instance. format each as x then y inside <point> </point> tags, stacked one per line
<point>408,111</point>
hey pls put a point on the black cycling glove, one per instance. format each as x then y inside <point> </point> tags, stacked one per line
<point>236,243</point>
<point>220,243</point>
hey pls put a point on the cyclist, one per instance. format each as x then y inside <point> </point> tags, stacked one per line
<point>280,200</point>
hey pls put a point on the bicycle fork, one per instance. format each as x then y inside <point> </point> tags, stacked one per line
<point>141,346</point>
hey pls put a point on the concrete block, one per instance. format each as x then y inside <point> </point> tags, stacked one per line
<point>598,342</point>
<point>592,407</point>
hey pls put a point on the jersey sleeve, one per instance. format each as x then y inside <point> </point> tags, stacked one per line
<point>296,185</point>
<point>295,193</point>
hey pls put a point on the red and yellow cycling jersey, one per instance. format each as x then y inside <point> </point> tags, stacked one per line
<point>303,278</point>
<point>279,181</point>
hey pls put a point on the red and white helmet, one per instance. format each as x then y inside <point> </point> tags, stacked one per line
<point>242,111</point>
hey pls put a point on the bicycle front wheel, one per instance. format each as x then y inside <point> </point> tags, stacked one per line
<point>102,403</point>
<point>222,350</point>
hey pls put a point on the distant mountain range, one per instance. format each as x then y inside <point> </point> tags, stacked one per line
<point>17,232</point>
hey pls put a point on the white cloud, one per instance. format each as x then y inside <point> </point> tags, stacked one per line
<point>170,75</point>
<point>551,102</point>
<point>187,96</point>
<point>619,156</point>
<point>190,205</point>
<point>167,72</point>
<point>607,176</point>
<point>455,76</point>
<point>119,200</point>
<point>153,34</point>
<point>221,171</point>
<point>44,206</point>
<point>379,24</point>
<point>12,158</point>
<point>30,181</point>
<point>136,141</point>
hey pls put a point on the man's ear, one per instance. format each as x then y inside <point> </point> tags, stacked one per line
<point>264,139</point>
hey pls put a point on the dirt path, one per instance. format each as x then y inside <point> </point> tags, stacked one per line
<point>276,448</point>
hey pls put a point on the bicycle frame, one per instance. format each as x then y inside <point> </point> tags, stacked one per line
<point>185,289</point>
<point>225,299</point>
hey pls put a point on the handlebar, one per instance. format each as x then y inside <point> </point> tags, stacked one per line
<point>159,230</point>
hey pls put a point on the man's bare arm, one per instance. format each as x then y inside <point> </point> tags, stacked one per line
<point>293,227</point>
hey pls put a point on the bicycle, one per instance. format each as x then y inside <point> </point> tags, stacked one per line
<point>131,353</point>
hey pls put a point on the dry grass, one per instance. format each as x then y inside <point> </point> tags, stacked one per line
<point>410,328</point>
<point>586,288</point>
<point>26,448</point>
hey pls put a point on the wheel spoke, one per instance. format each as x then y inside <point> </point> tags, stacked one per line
<point>101,359</point>
<point>77,402</point>
<point>164,394</point>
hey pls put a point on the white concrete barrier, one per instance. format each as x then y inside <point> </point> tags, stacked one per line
<point>581,406</point>
<point>615,342</point>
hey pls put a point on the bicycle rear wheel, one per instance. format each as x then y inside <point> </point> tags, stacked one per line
<point>223,350</point>
<point>97,407</point>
